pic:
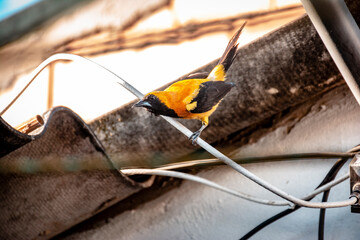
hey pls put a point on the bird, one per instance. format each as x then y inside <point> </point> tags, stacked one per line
<point>198,95</point>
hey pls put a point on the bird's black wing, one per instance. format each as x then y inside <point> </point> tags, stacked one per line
<point>209,95</point>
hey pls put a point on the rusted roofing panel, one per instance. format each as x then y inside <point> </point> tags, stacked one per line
<point>57,196</point>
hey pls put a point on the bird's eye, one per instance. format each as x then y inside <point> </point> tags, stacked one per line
<point>151,97</point>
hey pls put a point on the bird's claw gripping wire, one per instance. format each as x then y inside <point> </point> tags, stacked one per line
<point>194,137</point>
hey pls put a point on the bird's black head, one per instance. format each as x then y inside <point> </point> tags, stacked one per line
<point>149,102</point>
<point>153,104</point>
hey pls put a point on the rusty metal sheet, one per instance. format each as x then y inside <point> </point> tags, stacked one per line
<point>39,199</point>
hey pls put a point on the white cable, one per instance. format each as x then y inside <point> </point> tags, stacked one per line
<point>162,172</point>
<point>327,186</point>
<point>206,182</point>
<point>71,57</point>
<point>200,142</point>
<point>255,178</point>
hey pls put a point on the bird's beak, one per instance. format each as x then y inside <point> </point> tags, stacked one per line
<point>144,104</point>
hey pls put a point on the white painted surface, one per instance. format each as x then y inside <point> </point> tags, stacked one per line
<point>196,212</point>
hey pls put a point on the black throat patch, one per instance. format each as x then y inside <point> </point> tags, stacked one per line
<point>158,107</point>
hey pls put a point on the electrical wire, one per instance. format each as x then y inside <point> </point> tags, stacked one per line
<point>245,160</point>
<point>62,165</point>
<point>327,186</point>
<point>269,221</point>
<point>332,174</point>
<point>67,57</point>
<point>167,173</point>
<point>162,172</point>
<point>200,142</point>
<point>329,176</point>
<point>255,178</point>
<point>321,228</point>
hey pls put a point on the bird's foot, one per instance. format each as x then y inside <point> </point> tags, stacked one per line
<point>193,138</point>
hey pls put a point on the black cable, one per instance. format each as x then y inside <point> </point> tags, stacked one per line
<point>329,177</point>
<point>268,222</point>
<point>322,216</point>
<point>336,167</point>
<point>326,196</point>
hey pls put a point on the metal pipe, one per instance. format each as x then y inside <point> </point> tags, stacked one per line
<point>30,125</point>
<point>341,36</point>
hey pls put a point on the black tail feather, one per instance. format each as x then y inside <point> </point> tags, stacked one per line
<point>230,51</point>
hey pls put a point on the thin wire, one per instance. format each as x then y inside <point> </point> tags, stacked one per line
<point>32,77</point>
<point>71,57</point>
<point>200,142</point>
<point>327,186</point>
<point>321,227</point>
<point>162,172</point>
<point>255,178</point>
<point>244,160</point>
<point>329,177</point>
<point>206,182</point>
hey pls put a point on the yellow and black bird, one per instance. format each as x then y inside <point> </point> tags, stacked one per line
<point>196,97</point>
